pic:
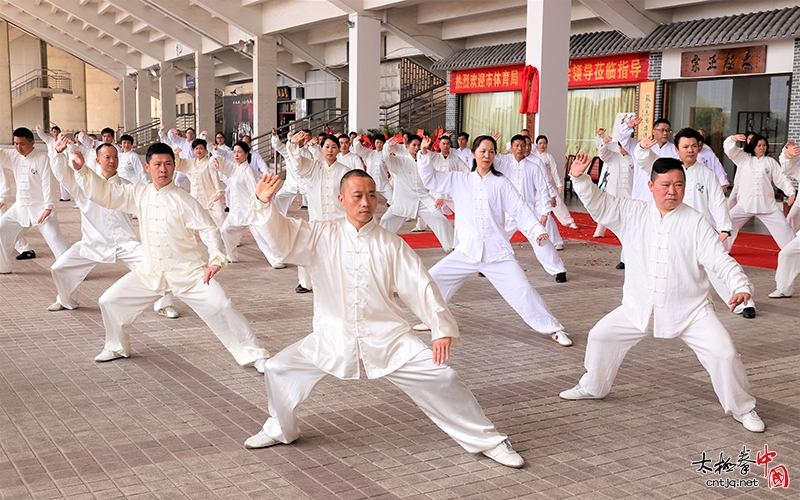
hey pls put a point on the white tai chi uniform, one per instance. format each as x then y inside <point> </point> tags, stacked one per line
<point>131,168</point>
<point>107,236</point>
<point>551,226</point>
<point>357,320</point>
<point>481,204</point>
<point>411,198</point>
<point>8,192</point>
<point>754,179</point>
<point>667,150</point>
<point>179,178</point>
<point>665,293</point>
<point>241,180</point>
<point>204,185</point>
<point>321,183</point>
<point>531,184</point>
<point>50,142</point>
<point>789,256</point>
<point>37,190</point>
<point>376,168</point>
<point>351,160</point>
<point>707,158</point>
<point>292,185</point>
<point>451,163</point>
<point>465,155</point>
<point>557,176</point>
<point>791,168</point>
<point>168,219</point>
<point>621,171</point>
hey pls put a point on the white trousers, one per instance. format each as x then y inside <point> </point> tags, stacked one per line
<point>231,235</point>
<point>614,335</point>
<point>304,278</point>
<point>284,198</point>
<point>71,269</point>
<point>436,389</point>
<point>775,222</point>
<point>65,196</point>
<point>21,245</point>
<point>125,300</point>
<point>507,277</point>
<point>793,217</point>
<point>440,226</point>
<point>217,212</point>
<point>552,231</point>
<point>562,212</point>
<point>11,231</point>
<point>788,266</point>
<point>546,254</point>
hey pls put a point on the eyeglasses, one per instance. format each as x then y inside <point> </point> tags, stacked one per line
<point>663,130</point>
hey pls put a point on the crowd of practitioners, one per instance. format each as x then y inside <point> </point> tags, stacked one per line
<point>663,198</point>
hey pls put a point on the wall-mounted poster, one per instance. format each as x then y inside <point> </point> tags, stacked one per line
<point>238,117</point>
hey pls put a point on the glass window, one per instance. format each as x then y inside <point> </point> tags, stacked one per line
<point>490,112</point>
<point>591,109</point>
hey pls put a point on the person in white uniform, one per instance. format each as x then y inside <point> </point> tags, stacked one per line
<point>376,165</point>
<point>241,179</point>
<point>346,157</point>
<point>670,249</point>
<point>707,157</point>
<point>557,175</point>
<point>703,194</point>
<point>107,236</point>
<point>205,185</point>
<point>37,192</point>
<point>482,199</point>
<point>321,178</point>
<point>411,197</point>
<point>552,227</point>
<point>755,174</point>
<point>531,184</point>
<point>50,140</point>
<point>663,147</point>
<point>463,151</point>
<point>174,139</point>
<point>443,161</point>
<point>358,267</point>
<point>292,185</point>
<point>130,165</point>
<point>8,195</point>
<point>789,256</point>
<point>219,142</point>
<point>168,219</point>
<point>792,171</point>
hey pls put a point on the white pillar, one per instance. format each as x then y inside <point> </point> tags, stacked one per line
<point>6,109</point>
<point>365,73</point>
<point>127,102</point>
<point>547,48</point>
<point>143,109</point>
<point>265,84</point>
<point>166,93</point>
<point>204,92</point>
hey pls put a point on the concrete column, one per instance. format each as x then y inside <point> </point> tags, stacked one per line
<point>204,92</point>
<point>452,120</point>
<point>166,93</point>
<point>6,109</point>
<point>794,96</point>
<point>143,109</point>
<point>547,48</point>
<point>365,74</point>
<point>127,102</point>
<point>265,84</point>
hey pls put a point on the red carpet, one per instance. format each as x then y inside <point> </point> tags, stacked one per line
<point>756,250</point>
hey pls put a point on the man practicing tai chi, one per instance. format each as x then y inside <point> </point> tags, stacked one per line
<point>168,219</point>
<point>669,249</point>
<point>357,267</point>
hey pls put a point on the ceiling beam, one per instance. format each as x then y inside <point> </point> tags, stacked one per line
<point>312,55</point>
<point>247,19</point>
<point>427,38</point>
<point>622,16</point>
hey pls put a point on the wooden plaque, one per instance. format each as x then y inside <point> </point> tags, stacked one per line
<point>736,61</point>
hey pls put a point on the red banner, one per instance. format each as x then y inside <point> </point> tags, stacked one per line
<point>497,79</point>
<point>610,70</point>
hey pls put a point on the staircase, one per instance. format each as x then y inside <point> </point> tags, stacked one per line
<point>40,83</point>
<point>423,100</point>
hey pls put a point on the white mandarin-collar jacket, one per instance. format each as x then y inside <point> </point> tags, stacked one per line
<point>620,168</point>
<point>376,166</point>
<point>754,179</point>
<point>242,180</point>
<point>529,180</point>
<point>667,259</point>
<point>703,191</point>
<point>707,157</point>
<point>551,166</point>
<point>465,155</point>
<point>409,191</point>
<point>37,188</point>
<point>292,183</point>
<point>322,185</point>
<point>204,179</point>
<point>481,204</point>
<point>168,219</point>
<point>350,160</point>
<point>104,232</point>
<point>790,166</point>
<point>131,168</point>
<point>450,164</point>
<point>355,275</point>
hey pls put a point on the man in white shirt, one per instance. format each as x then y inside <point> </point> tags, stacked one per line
<point>464,152</point>
<point>346,157</point>
<point>358,267</point>
<point>107,236</point>
<point>8,194</point>
<point>49,140</point>
<point>789,256</point>
<point>791,169</point>
<point>292,185</point>
<point>662,147</point>
<point>37,192</point>
<point>168,220</point>
<point>670,249</point>
<point>376,165</point>
<point>552,227</point>
<point>130,165</point>
<point>707,157</point>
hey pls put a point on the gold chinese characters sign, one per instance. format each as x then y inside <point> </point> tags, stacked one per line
<point>498,79</point>
<point>736,61</point>
<point>647,108</point>
<point>610,70</point>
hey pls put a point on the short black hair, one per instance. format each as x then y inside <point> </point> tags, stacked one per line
<point>104,145</point>
<point>660,121</point>
<point>23,133</point>
<point>306,131</point>
<point>328,137</point>
<point>664,165</point>
<point>688,133</point>
<point>519,137</point>
<point>750,147</point>
<point>126,137</point>
<point>413,137</point>
<point>56,128</point>
<point>378,137</point>
<point>353,133</point>
<point>356,172</point>
<point>192,129</point>
<point>542,137</point>
<point>107,130</point>
<point>445,138</point>
<point>158,148</point>
<point>199,142</point>
<point>464,135</point>
<point>245,147</point>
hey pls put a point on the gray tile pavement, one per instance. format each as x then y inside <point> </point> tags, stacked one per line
<point>170,421</point>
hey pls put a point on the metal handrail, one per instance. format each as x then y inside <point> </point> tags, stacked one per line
<point>415,109</point>
<point>43,78</point>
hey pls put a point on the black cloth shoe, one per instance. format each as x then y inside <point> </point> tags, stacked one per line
<point>30,254</point>
<point>621,265</point>
<point>301,289</point>
<point>749,312</point>
<point>561,277</point>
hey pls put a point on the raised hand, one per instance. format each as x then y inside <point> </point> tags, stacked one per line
<point>579,165</point>
<point>61,143</point>
<point>274,131</point>
<point>739,138</point>
<point>633,121</point>
<point>267,187</point>
<point>392,142</point>
<point>496,136</point>
<point>296,138</point>
<point>177,151</point>
<point>607,139</point>
<point>77,160</point>
<point>647,143</point>
<point>426,143</point>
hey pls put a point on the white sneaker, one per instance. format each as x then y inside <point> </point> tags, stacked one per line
<point>751,421</point>
<point>573,226</point>
<point>504,454</point>
<point>561,338</point>
<point>56,306</point>
<point>576,393</point>
<point>422,327</point>
<point>777,294</point>
<point>279,265</point>
<point>559,247</point>
<point>260,364</point>
<point>107,355</point>
<point>260,440</point>
<point>168,312</point>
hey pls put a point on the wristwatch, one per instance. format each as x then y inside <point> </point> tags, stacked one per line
<point>726,231</point>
